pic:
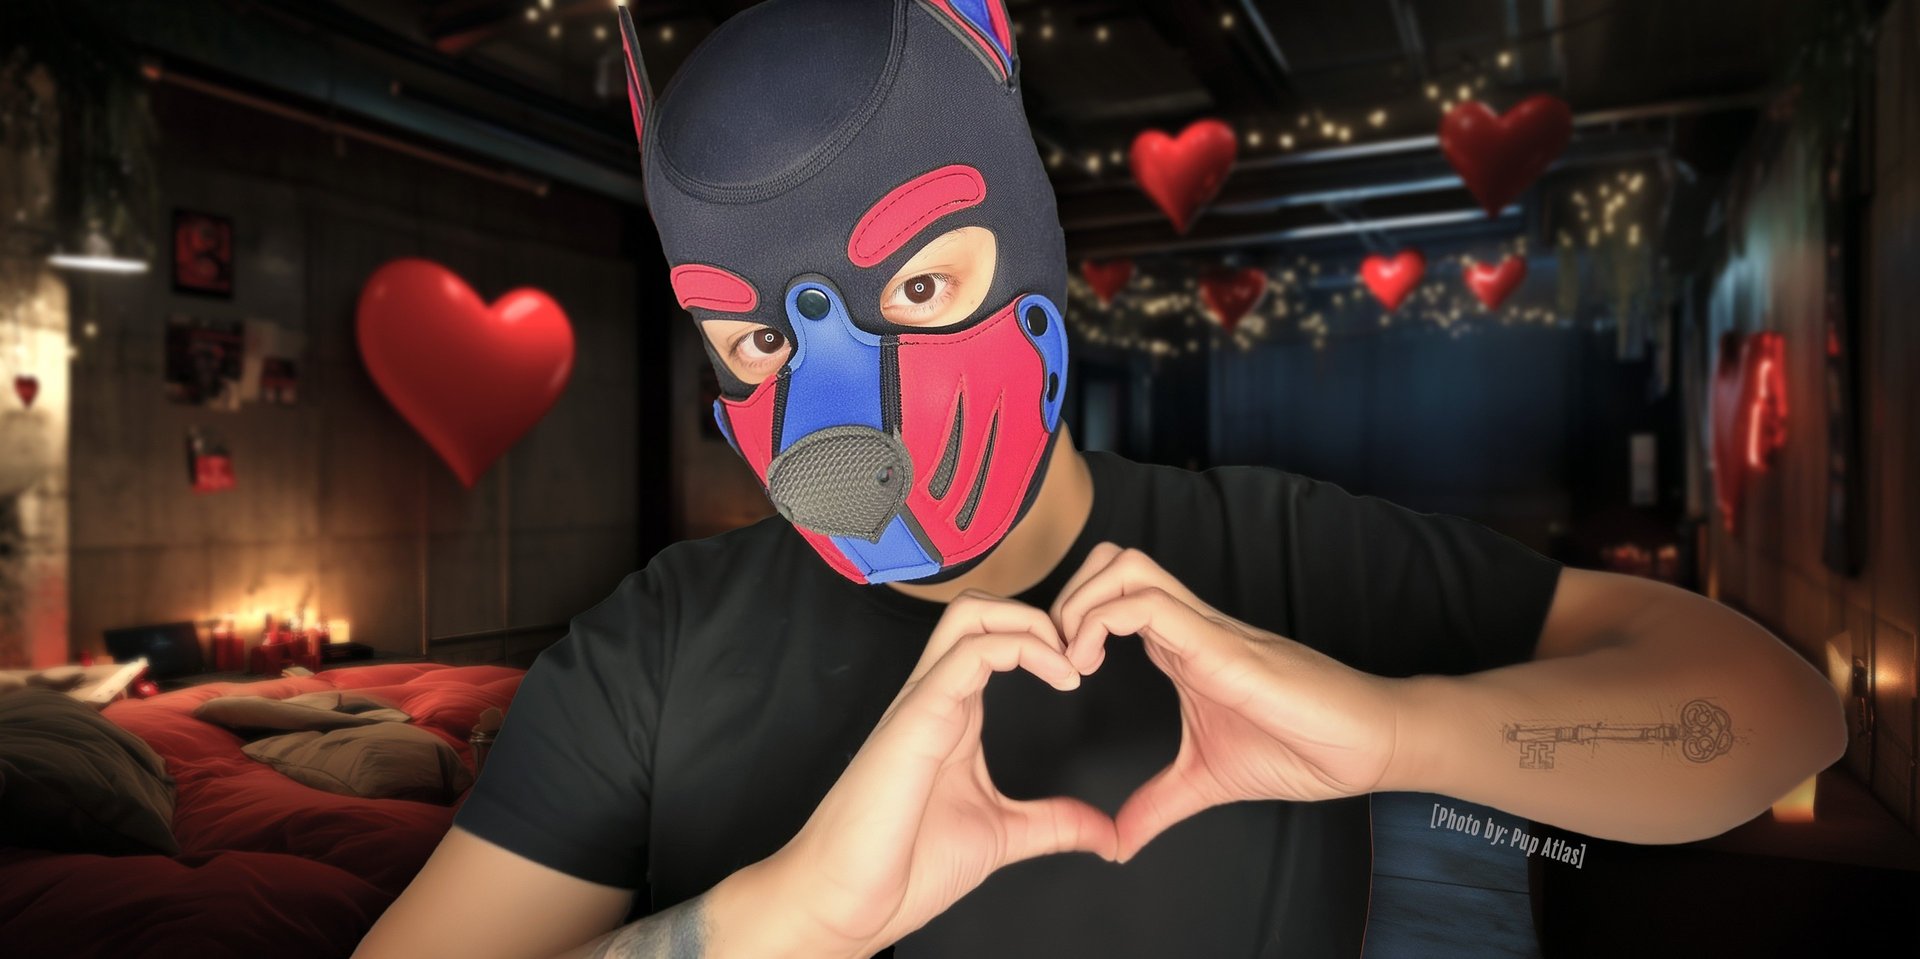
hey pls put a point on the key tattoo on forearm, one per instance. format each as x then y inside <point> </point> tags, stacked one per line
<point>676,933</point>
<point>1704,733</point>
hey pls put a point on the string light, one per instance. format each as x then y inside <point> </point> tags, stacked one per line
<point>1505,59</point>
<point>1433,91</point>
<point>1046,31</point>
<point>666,33</point>
<point>1253,138</point>
<point>1226,20</point>
<point>1327,129</point>
<point>533,13</point>
<point>1100,33</point>
<point>554,31</point>
<point>1466,92</point>
<point>600,31</point>
<point>1286,141</point>
<point>1378,118</point>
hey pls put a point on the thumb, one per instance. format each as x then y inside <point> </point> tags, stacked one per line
<point>1169,797</point>
<point>1042,827</point>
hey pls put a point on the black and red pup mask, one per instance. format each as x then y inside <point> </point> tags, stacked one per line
<point>800,157</point>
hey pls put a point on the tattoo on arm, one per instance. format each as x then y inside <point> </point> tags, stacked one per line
<point>1704,733</point>
<point>676,933</point>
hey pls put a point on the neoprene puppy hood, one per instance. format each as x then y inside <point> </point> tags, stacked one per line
<point>799,159</point>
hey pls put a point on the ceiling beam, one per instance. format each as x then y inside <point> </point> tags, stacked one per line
<point>1407,23</point>
<point>1697,106</point>
<point>1258,24</point>
<point>1221,59</point>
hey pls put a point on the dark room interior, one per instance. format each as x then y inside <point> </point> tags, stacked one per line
<point>349,375</point>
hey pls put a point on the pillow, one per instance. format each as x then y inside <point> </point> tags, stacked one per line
<point>380,761</point>
<point>72,781</point>
<point>323,710</point>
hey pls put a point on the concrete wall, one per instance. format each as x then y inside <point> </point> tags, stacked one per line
<point>33,466</point>
<point>1776,280</point>
<point>340,507</point>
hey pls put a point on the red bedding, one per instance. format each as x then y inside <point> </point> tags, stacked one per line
<point>268,867</point>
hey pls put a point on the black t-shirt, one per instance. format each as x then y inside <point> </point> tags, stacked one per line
<point>688,724</point>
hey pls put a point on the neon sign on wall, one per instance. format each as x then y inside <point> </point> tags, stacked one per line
<point>1749,415</point>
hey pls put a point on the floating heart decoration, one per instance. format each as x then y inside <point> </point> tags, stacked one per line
<point>1182,175</point>
<point>1498,157</point>
<point>470,377</point>
<point>1107,278</point>
<point>26,387</point>
<point>1492,284</point>
<point>1231,294</point>
<point>1392,278</point>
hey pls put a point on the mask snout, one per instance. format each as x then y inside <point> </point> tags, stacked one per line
<point>842,481</point>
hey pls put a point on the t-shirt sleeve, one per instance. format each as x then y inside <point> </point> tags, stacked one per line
<point>1402,593</point>
<point>568,781</point>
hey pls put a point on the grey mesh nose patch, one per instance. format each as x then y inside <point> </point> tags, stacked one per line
<point>842,481</point>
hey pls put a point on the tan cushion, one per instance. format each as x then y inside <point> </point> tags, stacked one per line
<point>72,780</point>
<point>323,710</point>
<point>379,761</point>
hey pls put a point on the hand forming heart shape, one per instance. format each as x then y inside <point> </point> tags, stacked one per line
<point>1263,717</point>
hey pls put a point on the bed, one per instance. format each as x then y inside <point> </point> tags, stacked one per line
<point>267,866</point>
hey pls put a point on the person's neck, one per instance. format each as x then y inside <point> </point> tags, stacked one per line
<point>1038,542</point>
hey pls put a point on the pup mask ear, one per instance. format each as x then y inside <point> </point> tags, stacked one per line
<point>983,25</point>
<point>639,91</point>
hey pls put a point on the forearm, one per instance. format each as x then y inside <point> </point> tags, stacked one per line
<point>738,917</point>
<point>1609,741</point>
<point>680,932</point>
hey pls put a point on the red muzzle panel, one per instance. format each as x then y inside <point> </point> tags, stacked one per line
<point>991,381</point>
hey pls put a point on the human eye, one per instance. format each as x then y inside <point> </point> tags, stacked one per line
<point>944,283</point>
<point>919,297</point>
<point>758,352</point>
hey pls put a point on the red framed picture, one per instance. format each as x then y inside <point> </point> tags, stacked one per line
<point>202,253</point>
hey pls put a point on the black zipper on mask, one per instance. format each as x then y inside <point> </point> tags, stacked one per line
<point>890,385</point>
<point>780,407</point>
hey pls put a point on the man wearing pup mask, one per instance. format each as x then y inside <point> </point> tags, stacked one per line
<point>782,741</point>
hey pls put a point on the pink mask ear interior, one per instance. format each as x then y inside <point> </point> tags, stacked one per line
<point>985,26</point>
<point>639,91</point>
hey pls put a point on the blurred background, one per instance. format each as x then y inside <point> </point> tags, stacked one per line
<point>1702,373</point>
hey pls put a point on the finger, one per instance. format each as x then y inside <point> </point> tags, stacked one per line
<point>1130,571</point>
<point>1157,616</point>
<point>1168,798</point>
<point>974,612</point>
<point>963,672</point>
<point>1102,554</point>
<point>895,769</point>
<point>1043,827</point>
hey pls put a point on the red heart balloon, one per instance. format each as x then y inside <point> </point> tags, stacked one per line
<point>1182,175</point>
<point>26,387</point>
<point>1492,283</point>
<point>1107,278</point>
<point>1231,294</point>
<point>1391,279</point>
<point>1497,156</point>
<point>471,378</point>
